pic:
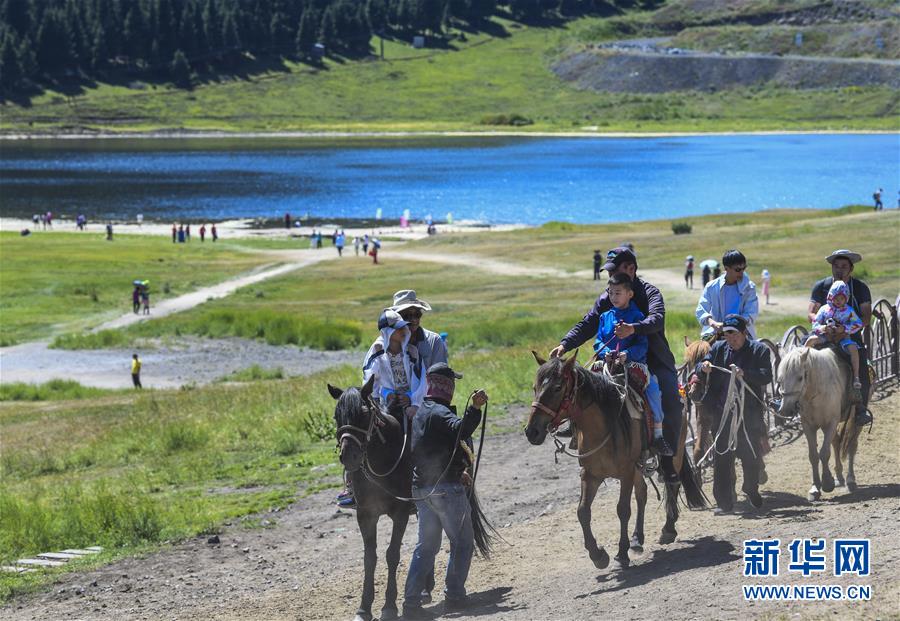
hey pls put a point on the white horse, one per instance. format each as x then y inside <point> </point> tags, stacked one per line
<point>815,380</point>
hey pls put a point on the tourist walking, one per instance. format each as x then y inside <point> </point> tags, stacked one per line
<point>202,233</point>
<point>598,264</point>
<point>187,232</point>
<point>180,233</point>
<point>136,299</point>
<point>109,231</point>
<point>287,220</point>
<point>877,197</point>
<point>356,244</point>
<point>689,272</point>
<point>215,233</point>
<point>706,274</point>
<point>145,300</point>
<point>136,371</point>
<point>376,246</point>
<point>339,244</point>
<point>365,244</point>
<point>766,279</point>
<point>174,234</point>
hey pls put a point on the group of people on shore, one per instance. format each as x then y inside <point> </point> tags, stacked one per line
<point>370,245</point>
<point>181,233</point>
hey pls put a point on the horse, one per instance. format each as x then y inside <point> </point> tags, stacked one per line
<point>815,381</point>
<point>374,452</point>
<point>611,441</point>
<point>693,354</point>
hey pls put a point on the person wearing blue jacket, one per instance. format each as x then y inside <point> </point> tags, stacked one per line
<point>631,351</point>
<point>731,293</point>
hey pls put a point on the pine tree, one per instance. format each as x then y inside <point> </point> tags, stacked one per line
<point>27,59</point>
<point>327,29</point>
<point>306,33</point>
<point>230,37</point>
<point>10,69</point>
<point>212,27</point>
<point>99,49</point>
<point>180,70</point>
<point>377,15</point>
<point>134,33</point>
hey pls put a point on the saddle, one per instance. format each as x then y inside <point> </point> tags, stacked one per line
<point>636,401</point>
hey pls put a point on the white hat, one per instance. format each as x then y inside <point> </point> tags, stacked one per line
<point>406,299</point>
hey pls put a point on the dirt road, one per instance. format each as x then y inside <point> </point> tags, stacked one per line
<point>307,563</point>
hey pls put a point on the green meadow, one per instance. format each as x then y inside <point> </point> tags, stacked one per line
<point>133,470</point>
<point>471,86</point>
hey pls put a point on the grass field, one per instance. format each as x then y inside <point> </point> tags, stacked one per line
<point>48,279</point>
<point>450,90</point>
<point>130,471</point>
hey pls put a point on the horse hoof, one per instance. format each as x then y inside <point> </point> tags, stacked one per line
<point>362,617</point>
<point>637,544</point>
<point>813,496</point>
<point>601,559</point>
<point>840,482</point>
<point>389,614</point>
<point>827,484</point>
<point>623,560</point>
<point>851,485</point>
<point>667,537</point>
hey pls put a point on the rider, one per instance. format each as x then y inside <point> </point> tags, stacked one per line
<point>631,351</point>
<point>838,312</point>
<point>842,263</point>
<point>432,348</point>
<point>733,292</point>
<point>751,361</point>
<point>649,301</point>
<point>440,480</point>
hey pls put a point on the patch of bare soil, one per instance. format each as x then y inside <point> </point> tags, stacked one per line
<point>308,563</point>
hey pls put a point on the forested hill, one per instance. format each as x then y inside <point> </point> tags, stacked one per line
<point>45,40</point>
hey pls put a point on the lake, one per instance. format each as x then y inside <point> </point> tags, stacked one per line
<point>492,179</point>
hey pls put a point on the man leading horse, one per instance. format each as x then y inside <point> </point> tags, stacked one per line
<point>660,360</point>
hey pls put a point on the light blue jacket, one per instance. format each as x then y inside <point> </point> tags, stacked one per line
<point>712,301</point>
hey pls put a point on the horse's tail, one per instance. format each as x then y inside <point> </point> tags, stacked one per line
<point>692,484</point>
<point>847,432</point>
<point>485,533</point>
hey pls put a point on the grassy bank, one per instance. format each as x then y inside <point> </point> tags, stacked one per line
<point>470,87</point>
<point>78,278</point>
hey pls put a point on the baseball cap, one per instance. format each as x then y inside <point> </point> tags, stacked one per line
<point>734,323</point>
<point>618,256</point>
<point>442,368</point>
<point>391,319</point>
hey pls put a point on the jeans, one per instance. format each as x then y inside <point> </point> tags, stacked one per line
<point>446,510</point>
<point>654,398</point>
<point>671,402</point>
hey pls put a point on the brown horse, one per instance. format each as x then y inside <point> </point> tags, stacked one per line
<point>693,354</point>
<point>610,444</point>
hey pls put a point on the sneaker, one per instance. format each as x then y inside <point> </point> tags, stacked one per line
<point>662,447</point>
<point>347,502</point>
<point>862,418</point>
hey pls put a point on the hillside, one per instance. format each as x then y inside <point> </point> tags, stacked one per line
<point>538,75</point>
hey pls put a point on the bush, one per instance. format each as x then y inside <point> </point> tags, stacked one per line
<point>50,391</point>
<point>681,228</point>
<point>105,339</point>
<point>514,120</point>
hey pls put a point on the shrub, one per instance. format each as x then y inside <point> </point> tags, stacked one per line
<point>681,228</point>
<point>514,120</point>
<point>105,339</point>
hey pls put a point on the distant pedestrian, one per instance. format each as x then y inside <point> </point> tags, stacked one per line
<point>202,233</point>
<point>376,246</point>
<point>136,299</point>
<point>187,232</point>
<point>215,234</point>
<point>50,219</point>
<point>365,244</point>
<point>717,271</point>
<point>180,233</point>
<point>136,371</point>
<point>707,273</point>
<point>35,219</point>
<point>109,231</point>
<point>312,240</point>
<point>356,244</point>
<point>287,220</point>
<point>689,272</point>
<point>339,244</point>
<point>80,221</point>
<point>334,237</point>
<point>43,221</point>
<point>140,220</point>
<point>766,279</point>
<point>174,233</point>
<point>598,264</point>
<point>877,196</point>
<point>145,300</point>
<point>319,240</point>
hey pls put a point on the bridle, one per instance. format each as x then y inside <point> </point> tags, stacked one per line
<point>568,402</point>
<point>376,421</point>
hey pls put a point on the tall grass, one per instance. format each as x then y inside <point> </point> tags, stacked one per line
<point>53,390</point>
<point>254,373</point>
<point>104,339</point>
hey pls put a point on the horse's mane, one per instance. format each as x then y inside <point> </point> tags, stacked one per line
<point>695,352</point>
<point>602,391</point>
<point>826,369</point>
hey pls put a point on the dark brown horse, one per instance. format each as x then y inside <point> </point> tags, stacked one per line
<point>609,441</point>
<point>374,453</point>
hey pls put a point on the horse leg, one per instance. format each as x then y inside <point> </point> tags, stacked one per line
<point>825,457</point>
<point>851,456</point>
<point>640,495</point>
<point>623,510</point>
<point>368,528</point>
<point>589,486</point>
<point>838,458</point>
<point>400,517</point>
<point>815,491</point>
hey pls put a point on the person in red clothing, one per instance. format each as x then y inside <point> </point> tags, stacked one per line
<point>174,233</point>
<point>202,233</point>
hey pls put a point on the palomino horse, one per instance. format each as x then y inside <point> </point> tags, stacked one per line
<point>374,452</point>
<point>815,381</point>
<point>610,441</point>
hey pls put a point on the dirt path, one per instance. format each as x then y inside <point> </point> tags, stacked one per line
<point>307,563</point>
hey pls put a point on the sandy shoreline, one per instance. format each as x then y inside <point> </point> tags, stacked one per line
<point>584,132</point>
<point>242,229</point>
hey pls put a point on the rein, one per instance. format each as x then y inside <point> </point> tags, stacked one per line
<point>569,399</point>
<point>375,421</point>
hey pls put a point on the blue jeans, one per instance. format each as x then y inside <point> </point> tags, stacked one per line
<point>446,510</point>
<point>654,398</point>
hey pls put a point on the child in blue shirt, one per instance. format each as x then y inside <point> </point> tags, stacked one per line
<point>630,351</point>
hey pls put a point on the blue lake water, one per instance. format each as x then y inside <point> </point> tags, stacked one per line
<point>499,180</point>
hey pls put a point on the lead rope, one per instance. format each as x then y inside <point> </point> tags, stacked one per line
<point>733,412</point>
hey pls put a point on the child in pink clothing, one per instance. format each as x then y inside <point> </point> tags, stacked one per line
<point>838,313</point>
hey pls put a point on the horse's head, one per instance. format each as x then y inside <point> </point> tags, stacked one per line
<point>355,417</point>
<point>554,387</point>
<point>793,375</point>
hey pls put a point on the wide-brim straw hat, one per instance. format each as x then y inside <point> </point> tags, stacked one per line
<point>407,299</point>
<point>853,257</point>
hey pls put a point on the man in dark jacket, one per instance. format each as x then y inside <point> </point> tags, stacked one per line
<point>751,362</point>
<point>659,357</point>
<point>440,483</point>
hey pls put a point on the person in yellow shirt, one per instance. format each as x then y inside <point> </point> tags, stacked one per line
<point>136,371</point>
